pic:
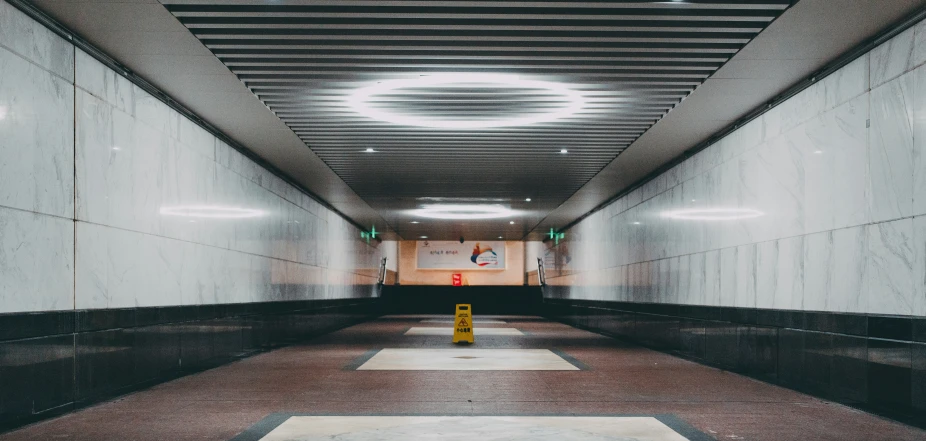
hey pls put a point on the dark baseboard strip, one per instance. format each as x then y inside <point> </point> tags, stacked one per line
<point>838,357</point>
<point>890,327</point>
<point>56,362</point>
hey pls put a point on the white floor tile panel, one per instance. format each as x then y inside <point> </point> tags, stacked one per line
<point>475,321</point>
<point>467,359</point>
<point>476,331</point>
<point>456,428</point>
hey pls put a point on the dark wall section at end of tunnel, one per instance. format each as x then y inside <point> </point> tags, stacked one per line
<point>55,362</point>
<point>876,363</point>
<point>486,300</point>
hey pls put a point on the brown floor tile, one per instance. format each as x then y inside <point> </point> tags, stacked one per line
<point>311,378</point>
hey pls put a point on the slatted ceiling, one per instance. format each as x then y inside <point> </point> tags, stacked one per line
<point>632,61</point>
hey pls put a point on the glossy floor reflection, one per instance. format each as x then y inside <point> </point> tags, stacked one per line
<point>375,428</point>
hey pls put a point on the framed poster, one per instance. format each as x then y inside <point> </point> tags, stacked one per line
<point>470,255</point>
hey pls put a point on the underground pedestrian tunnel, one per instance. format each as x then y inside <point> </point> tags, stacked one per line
<point>269,220</point>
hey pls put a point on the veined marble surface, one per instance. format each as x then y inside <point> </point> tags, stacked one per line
<point>466,359</point>
<point>36,137</point>
<point>165,213</point>
<point>835,179</point>
<point>36,262</point>
<point>35,42</point>
<point>449,331</point>
<point>453,428</point>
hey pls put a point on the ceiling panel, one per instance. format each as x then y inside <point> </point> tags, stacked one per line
<point>631,62</point>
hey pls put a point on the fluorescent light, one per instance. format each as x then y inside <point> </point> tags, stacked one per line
<point>564,151</point>
<point>458,212</point>
<point>359,101</point>
<point>211,211</point>
<point>714,214</point>
<point>369,150</point>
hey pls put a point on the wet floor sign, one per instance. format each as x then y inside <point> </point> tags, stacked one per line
<point>463,325</point>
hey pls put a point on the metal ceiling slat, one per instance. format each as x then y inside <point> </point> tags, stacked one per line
<point>632,61</point>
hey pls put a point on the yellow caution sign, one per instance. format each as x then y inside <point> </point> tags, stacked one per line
<point>463,325</point>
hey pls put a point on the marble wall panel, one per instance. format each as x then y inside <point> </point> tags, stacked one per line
<point>36,137</point>
<point>893,58</point>
<point>36,262</point>
<point>36,43</point>
<point>891,267</point>
<point>891,150</point>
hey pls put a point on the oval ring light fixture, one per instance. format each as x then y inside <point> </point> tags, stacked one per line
<point>464,212</point>
<point>360,100</point>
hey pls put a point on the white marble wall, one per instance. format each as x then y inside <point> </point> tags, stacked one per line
<point>838,174</point>
<point>102,239</point>
<point>36,166</point>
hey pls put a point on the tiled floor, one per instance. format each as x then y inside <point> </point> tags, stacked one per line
<point>445,331</point>
<point>314,379</point>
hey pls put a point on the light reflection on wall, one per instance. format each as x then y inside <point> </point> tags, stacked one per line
<point>713,214</point>
<point>211,212</point>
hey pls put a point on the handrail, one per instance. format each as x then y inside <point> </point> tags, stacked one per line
<point>382,271</point>
<point>541,275</point>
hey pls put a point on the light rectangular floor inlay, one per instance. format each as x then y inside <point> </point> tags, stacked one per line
<point>461,428</point>
<point>475,321</point>
<point>467,359</point>
<point>476,331</point>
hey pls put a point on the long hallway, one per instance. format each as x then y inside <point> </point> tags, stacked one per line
<point>333,376</point>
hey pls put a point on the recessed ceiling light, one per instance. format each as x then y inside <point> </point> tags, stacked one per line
<point>512,222</point>
<point>499,237</point>
<point>416,222</point>
<point>564,151</point>
<point>360,100</point>
<point>453,211</point>
<point>424,237</point>
<point>369,150</point>
<point>636,223</point>
<point>527,200</point>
